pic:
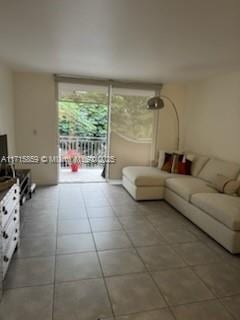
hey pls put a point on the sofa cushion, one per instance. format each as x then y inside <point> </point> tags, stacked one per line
<point>198,162</point>
<point>226,185</point>
<point>215,166</point>
<point>145,176</point>
<point>186,186</point>
<point>222,207</point>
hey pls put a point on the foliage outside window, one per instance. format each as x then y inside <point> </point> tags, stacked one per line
<point>85,114</point>
<point>130,117</point>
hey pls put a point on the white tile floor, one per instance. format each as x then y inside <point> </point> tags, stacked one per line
<point>89,252</point>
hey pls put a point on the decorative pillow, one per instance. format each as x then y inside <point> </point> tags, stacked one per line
<point>168,161</point>
<point>176,163</point>
<point>226,185</point>
<point>184,166</point>
<point>161,158</point>
<point>177,159</point>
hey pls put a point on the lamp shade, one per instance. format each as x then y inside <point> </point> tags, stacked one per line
<point>155,103</point>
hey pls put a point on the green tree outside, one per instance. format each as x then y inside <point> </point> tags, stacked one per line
<point>86,115</point>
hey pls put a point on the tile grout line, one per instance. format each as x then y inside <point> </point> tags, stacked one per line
<point>209,288</point>
<point>148,272</point>
<point>54,275</point>
<point>215,298</point>
<point>100,265</point>
<point>192,268</point>
<point>171,307</point>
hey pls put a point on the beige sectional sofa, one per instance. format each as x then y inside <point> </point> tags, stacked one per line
<point>194,196</point>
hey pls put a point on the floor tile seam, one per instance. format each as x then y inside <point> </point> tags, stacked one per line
<point>140,312</point>
<point>93,251</point>
<point>112,206</point>
<point>204,282</point>
<point>73,233</point>
<point>225,306</point>
<point>78,280</point>
<point>210,289</point>
<point>157,230</point>
<point>226,309</point>
<point>54,276</point>
<point>102,277</point>
<point>33,216</point>
<point>135,249</point>
<point>45,284</point>
<point>33,257</point>
<point>151,276</point>
<point>175,306</point>
<point>190,264</point>
<point>215,251</point>
<point>39,236</point>
<point>29,286</point>
<point>101,268</point>
<point>122,275</point>
<point>230,295</point>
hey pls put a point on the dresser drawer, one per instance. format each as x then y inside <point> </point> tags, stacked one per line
<point>8,254</point>
<point>11,229</point>
<point>8,204</point>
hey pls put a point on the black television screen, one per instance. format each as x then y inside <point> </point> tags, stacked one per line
<point>3,147</point>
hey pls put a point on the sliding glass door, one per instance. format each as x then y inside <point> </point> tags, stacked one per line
<point>82,127</point>
<point>131,129</point>
<point>106,119</point>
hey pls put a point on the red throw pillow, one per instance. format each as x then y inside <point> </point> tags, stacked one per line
<point>184,167</point>
<point>176,163</point>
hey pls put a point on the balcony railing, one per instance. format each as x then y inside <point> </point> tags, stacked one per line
<point>85,146</point>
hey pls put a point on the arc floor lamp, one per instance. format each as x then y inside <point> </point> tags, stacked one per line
<point>157,103</point>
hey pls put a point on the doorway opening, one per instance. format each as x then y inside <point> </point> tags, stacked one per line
<point>82,128</point>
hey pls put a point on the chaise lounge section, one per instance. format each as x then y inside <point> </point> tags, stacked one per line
<point>194,196</point>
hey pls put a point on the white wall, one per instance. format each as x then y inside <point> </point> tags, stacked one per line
<point>36,122</point>
<point>7,107</point>
<point>167,134</point>
<point>212,116</point>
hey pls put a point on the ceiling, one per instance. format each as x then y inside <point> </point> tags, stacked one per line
<point>145,40</point>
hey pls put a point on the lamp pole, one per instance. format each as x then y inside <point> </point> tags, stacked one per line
<point>177,117</point>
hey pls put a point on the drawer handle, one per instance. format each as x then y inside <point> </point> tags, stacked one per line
<point>14,198</point>
<point>5,235</point>
<point>5,212</point>
<point>5,259</point>
<point>15,238</point>
<point>15,210</point>
<point>15,191</point>
<point>4,209</point>
<point>14,219</point>
<point>16,230</point>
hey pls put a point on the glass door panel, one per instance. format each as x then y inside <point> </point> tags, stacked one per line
<point>131,129</point>
<point>82,126</point>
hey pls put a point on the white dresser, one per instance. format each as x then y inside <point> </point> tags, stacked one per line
<point>10,228</point>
